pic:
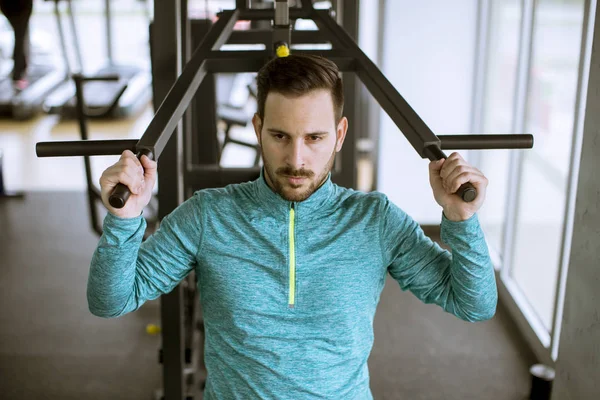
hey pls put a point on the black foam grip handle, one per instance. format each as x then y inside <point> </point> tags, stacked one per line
<point>121,193</point>
<point>467,192</point>
<point>119,196</point>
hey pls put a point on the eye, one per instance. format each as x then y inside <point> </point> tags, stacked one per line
<point>279,136</point>
<point>315,138</point>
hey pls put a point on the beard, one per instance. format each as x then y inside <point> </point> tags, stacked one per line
<point>296,193</point>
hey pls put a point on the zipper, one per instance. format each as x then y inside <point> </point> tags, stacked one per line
<point>292,275</point>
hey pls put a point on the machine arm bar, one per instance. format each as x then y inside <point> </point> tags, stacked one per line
<point>257,15</point>
<point>264,36</point>
<point>349,57</point>
<point>115,147</point>
<point>424,141</point>
<point>173,107</point>
<point>412,126</point>
<point>486,142</point>
<point>170,112</point>
<point>253,60</point>
<point>85,148</point>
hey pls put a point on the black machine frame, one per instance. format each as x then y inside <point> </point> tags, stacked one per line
<point>170,137</point>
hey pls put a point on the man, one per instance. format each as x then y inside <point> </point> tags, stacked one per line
<point>291,266</point>
<point>18,13</point>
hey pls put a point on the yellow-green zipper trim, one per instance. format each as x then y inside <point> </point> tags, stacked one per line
<point>292,294</point>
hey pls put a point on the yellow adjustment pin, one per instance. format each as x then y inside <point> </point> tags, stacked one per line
<point>282,51</point>
<point>152,329</point>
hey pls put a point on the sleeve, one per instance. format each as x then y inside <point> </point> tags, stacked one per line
<point>462,282</point>
<point>125,273</point>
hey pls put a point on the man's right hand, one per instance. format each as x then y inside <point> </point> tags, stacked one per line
<point>138,176</point>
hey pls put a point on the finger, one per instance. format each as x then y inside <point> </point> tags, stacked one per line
<point>449,166</point>
<point>455,171</point>
<point>455,156</point>
<point>128,154</point>
<point>109,175</point>
<point>132,179</point>
<point>133,165</point>
<point>453,161</point>
<point>127,176</point>
<point>475,178</point>
<point>149,166</point>
<point>128,158</point>
<point>434,174</point>
<point>458,171</point>
<point>458,182</point>
<point>436,166</point>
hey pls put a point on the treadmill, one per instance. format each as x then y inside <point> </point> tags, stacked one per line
<point>43,78</point>
<point>126,95</point>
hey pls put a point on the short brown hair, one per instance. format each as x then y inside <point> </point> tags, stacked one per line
<point>297,75</point>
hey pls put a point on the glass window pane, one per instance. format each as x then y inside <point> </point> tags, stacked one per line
<point>543,182</point>
<point>503,57</point>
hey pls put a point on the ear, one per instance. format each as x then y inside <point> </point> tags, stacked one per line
<point>342,128</point>
<point>257,123</point>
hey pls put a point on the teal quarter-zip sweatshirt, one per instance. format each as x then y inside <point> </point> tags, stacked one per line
<point>289,290</point>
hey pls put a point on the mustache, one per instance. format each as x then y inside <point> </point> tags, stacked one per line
<point>296,173</point>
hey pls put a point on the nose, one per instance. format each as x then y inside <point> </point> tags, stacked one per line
<point>296,155</point>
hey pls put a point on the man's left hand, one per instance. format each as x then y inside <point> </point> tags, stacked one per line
<point>446,176</point>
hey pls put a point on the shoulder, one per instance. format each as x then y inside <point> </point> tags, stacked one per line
<point>227,195</point>
<point>355,198</point>
<point>375,203</point>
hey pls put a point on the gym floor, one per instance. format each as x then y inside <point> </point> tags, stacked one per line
<point>51,347</point>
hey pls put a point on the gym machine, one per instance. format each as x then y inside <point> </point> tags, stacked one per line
<point>126,91</point>
<point>95,206</point>
<point>4,193</point>
<point>43,77</point>
<point>188,164</point>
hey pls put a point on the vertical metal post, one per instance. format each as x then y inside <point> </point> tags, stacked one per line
<point>75,36</point>
<point>374,109</point>
<point>186,49</point>
<point>2,190</point>
<point>482,36</point>
<point>348,157</point>
<point>282,12</point>
<point>242,4</point>
<point>519,120</point>
<point>61,35</point>
<point>368,134</point>
<point>108,15</point>
<point>167,64</point>
<point>203,146</point>
<point>83,128</point>
<point>282,30</point>
<point>307,5</point>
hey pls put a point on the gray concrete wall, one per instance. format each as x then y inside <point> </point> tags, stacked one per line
<point>578,363</point>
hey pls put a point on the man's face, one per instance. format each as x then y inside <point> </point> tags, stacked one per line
<point>298,140</point>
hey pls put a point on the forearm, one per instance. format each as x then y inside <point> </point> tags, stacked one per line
<point>126,272</point>
<point>473,294</point>
<point>112,278</point>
